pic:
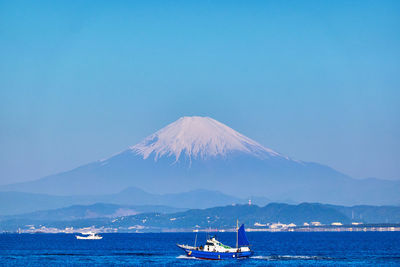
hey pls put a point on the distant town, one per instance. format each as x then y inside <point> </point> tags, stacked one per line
<point>257,227</point>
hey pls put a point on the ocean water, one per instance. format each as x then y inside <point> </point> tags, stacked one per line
<point>159,249</point>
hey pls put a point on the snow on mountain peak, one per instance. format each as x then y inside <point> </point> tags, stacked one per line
<point>198,137</point>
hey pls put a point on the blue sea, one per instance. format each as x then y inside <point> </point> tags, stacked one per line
<point>159,249</point>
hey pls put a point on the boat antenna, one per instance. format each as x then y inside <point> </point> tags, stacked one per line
<point>195,240</point>
<point>237,233</point>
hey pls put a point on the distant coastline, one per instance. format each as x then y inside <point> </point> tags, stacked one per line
<point>274,217</point>
<point>389,227</point>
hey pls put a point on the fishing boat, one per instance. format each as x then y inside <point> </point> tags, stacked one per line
<point>215,250</point>
<point>89,235</point>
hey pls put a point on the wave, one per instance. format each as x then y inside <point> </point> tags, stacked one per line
<point>60,254</point>
<point>272,257</point>
<point>144,254</point>
<point>186,257</point>
<point>289,257</point>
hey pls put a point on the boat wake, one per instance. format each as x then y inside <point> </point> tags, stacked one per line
<point>289,257</point>
<point>271,257</point>
<point>186,257</point>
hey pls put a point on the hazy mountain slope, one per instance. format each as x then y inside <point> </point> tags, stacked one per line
<point>19,202</point>
<point>98,210</point>
<point>197,152</point>
<point>371,214</point>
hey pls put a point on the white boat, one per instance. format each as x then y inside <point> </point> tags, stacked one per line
<point>90,235</point>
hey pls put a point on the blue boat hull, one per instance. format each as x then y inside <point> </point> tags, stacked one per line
<point>209,255</point>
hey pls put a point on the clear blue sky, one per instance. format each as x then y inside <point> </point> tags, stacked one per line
<point>316,80</point>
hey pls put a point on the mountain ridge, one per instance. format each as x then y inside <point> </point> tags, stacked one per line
<point>228,166</point>
<point>96,210</point>
<point>20,202</point>
<point>222,217</point>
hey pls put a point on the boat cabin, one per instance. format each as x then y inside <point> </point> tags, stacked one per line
<point>213,245</point>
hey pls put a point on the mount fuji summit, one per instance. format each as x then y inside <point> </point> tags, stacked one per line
<point>200,152</point>
<point>199,138</point>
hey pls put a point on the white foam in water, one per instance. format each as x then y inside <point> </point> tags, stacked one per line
<point>186,257</point>
<point>286,257</point>
<point>269,258</point>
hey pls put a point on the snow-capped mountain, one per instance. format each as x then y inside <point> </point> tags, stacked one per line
<point>199,138</point>
<point>200,152</point>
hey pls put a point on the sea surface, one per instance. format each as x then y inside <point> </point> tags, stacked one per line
<point>159,249</point>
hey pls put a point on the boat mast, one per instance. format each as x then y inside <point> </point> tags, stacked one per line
<point>237,233</point>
